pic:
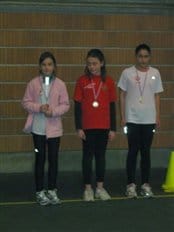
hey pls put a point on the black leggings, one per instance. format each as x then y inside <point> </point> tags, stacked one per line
<point>40,143</point>
<point>94,145</point>
<point>140,138</point>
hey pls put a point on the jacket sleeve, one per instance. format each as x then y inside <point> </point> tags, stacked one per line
<point>78,115</point>
<point>64,104</point>
<point>28,101</point>
<point>112,116</point>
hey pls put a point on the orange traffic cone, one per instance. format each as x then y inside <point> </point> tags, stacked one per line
<point>168,186</point>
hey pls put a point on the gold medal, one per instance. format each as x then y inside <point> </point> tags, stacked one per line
<point>95,104</point>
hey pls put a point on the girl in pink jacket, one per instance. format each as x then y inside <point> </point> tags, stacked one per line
<point>46,100</point>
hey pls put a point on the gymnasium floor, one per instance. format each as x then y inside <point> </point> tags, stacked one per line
<point>20,213</point>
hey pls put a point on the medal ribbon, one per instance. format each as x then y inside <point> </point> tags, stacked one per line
<point>48,85</point>
<point>141,90</point>
<point>96,93</point>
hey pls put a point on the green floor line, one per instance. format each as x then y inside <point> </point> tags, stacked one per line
<point>80,200</point>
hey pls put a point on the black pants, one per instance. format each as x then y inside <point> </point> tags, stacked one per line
<point>94,145</point>
<point>140,138</point>
<point>40,143</point>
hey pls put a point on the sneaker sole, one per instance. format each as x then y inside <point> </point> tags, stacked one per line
<point>43,204</point>
<point>106,199</point>
<point>55,203</point>
<point>92,200</point>
<point>144,196</point>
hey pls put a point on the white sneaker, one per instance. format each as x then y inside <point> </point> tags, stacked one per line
<point>88,195</point>
<point>102,194</point>
<point>131,191</point>
<point>146,191</point>
<point>42,198</point>
<point>52,195</point>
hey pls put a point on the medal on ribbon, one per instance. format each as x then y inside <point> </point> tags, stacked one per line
<point>141,89</point>
<point>95,103</point>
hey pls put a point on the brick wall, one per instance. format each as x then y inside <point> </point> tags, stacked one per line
<point>24,36</point>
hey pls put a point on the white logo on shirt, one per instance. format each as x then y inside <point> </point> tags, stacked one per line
<point>90,86</point>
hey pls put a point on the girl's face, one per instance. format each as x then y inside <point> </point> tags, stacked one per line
<point>143,58</point>
<point>47,66</point>
<point>94,65</point>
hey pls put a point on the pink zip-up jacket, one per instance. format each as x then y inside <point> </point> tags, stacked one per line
<point>58,102</point>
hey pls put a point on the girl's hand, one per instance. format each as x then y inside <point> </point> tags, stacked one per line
<point>44,108</point>
<point>157,123</point>
<point>111,135</point>
<point>123,122</point>
<point>81,134</point>
<point>48,113</point>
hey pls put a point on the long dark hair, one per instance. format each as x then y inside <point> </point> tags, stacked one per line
<point>100,56</point>
<point>46,55</point>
